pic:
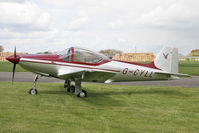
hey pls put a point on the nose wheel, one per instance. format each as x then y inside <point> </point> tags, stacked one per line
<point>33,91</point>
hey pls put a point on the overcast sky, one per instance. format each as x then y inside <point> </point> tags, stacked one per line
<point>148,25</point>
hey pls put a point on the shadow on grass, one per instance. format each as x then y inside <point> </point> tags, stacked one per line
<point>112,93</point>
<point>54,92</point>
<point>115,98</point>
<point>108,98</point>
<point>141,92</point>
<point>93,98</point>
<point>94,93</point>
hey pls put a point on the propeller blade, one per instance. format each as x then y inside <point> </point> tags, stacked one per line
<point>13,72</point>
<point>15,55</point>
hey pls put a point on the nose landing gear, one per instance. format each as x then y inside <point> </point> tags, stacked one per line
<point>33,91</point>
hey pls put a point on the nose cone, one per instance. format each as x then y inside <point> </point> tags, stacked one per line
<point>13,59</point>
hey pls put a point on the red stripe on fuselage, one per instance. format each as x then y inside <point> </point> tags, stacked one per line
<point>73,66</point>
<point>149,65</point>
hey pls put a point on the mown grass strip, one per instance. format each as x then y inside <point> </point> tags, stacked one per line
<point>108,108</point>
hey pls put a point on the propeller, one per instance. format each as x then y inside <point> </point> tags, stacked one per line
<point>15,60</point>
<point>14,66</point>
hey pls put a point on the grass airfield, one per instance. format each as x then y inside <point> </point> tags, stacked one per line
<point>107,109</point>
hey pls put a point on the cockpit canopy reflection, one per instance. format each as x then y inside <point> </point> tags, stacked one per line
<point>81,55</point>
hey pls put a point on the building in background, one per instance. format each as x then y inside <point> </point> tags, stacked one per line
<point>181,57</point>
<point>193,58</point>
<point>3,55</point>
<point>135,57</point>
<point>194,55</point>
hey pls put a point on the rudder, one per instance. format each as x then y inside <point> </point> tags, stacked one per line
<point>167,59</point>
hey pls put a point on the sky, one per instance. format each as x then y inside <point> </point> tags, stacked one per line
<point>128,25</point>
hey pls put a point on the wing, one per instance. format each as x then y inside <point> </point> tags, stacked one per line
<point>87,75</point>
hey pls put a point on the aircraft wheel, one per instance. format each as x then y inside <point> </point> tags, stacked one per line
<point>33,91</point>
<point>82,94</point>
<point>71,89</point>
<point>65,86</point>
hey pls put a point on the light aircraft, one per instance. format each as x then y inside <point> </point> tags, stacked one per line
<point>79,64</point>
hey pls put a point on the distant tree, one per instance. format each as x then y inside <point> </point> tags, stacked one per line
<point>181,55</point>
<point>1,48</point>
<point>111,52</point>
<point>194,52</point>
<point>46,52</point>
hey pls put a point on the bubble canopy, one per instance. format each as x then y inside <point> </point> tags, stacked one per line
<point>81,55</point>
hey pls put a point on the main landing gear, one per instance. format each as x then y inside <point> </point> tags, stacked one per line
<point>77,89</point>
<point>33,91</point>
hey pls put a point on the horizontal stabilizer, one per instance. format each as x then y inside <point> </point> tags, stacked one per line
<point>174,74</point>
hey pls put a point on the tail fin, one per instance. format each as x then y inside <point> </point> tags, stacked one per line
<point>167,60</point>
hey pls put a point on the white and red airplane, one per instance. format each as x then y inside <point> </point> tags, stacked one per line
<point>78,64</point>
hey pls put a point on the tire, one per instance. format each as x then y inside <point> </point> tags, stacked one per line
<point>71,89</point>
<point>82,94</point>
<point>33,91</point>
<point>65,86</point>
<point>68,89</point>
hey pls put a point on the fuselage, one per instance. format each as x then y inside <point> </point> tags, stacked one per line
<point>51,65</point>
<point>94,67</point>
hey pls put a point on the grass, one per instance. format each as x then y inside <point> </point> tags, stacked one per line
<point>8,67</point>
<point>186,67</point>
<point>107,109</point>
<point>189,67</point>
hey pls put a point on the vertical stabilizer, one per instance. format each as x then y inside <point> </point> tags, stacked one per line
<point>167,59</point>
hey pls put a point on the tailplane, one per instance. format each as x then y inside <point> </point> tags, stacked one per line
<point>167,60</point>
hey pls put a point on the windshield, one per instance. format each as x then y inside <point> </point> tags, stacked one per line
<point>82,55</point>
<point>66,54</point>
